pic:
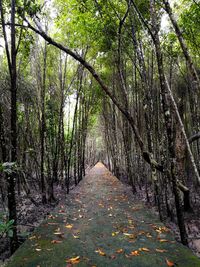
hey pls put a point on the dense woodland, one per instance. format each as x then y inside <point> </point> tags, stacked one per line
<point>83,81</point>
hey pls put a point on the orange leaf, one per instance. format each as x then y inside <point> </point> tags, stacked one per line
<point>74,260</point>
<point>135,253</point>
<point>56,242</point>
<point>169,263</point>
<point>144,249</point>
<point>119,250</point>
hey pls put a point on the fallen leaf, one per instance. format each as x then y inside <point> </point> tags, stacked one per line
<point>74,260</point>
<point>161,250</point>
<point>69,226</point>
<point>148,235</point>
<point>120,250</point>
<point>38,249</point>
<point>112,257</point>
<point>58,233</point>
<point>144,249</point>
<point>163,240</point>
<point>32,237</point>
<point>101,252</point>
<point>52,223</point>
<point>169,263</point>
<point>131,236</point>
<point>135,253</point>
<point>115,233</point>
<point>56,241</point>
<point>76,236</point>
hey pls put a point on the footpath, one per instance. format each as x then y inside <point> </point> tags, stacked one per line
<point>100,224</point>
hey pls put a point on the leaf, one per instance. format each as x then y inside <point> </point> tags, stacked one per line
<point>69,226</point>
<point>52,223</point>
<point>56,241</point>
<point>135,253</point>
<point>161,250</point>
<point>144,249</point>
<point>131,236</point>
<point>74,260</point>
<point>101,252</point>
<point>76,236</point>
<point>169,263</point>
<point>120,250</point>
<point>112,257</point>
<point>163,240</point>
<point>115,233</point>
<point>38,249</point>
<point>32,237</point>
<point>58,233</point>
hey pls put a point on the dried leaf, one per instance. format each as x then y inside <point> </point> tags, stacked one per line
<point>120,250</point>
<point>163,240</point>
<point>144,249</point>
<point>58,233</point>
<point>76,236</point>
<point>169,263</point>
<point>161,250</point>
<point>115,233</point>
<point>101,252</point>
<point>74,260</point>
<point>56,241</point>
<point>69,226</point>
<point>135,253</point>
<point>38,249</point>
<point>131,236</point>
<point>32,237</point>
<point>112,257</point>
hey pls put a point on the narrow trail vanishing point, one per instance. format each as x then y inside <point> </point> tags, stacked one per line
<point>101,224</point>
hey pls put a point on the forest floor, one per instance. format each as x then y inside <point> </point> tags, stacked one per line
<point>101,224</point>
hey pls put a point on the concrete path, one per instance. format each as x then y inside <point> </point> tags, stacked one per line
<point>102,225</point>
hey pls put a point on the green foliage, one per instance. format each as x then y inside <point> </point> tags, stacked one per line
<point>6,227</point>
<point>8,167</point>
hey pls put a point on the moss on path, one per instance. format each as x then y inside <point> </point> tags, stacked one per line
<point>101,225</point>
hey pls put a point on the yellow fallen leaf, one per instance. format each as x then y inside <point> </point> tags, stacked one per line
<point>69,226</point>
<point>32,237</point>
<point>161,250</point>
<point>163,240</point>
<point>144,249</point>
<point>74,260</point>
<point>101,252</point>
<point>76,236</point>
<point>115,233</point>
<point>169,263</point>
<point>148,235</point>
